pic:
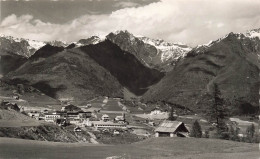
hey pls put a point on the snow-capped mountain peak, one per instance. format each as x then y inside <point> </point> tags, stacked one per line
<point>20,46</point>
<point>88,41</point>
<point>253,33</point>
<point>166,49</point>
<point>155,53</point>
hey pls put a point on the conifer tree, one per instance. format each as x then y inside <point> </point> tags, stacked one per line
<point>172,116</point>
<point>250,131</point>
<point>218,111</point>
<point>196,130</point>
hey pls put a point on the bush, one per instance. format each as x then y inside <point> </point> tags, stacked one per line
<point>196,130</point>
<point>233,134</point>
<point>224,135</point>
<point>250,133</point>
<point>206,134</point>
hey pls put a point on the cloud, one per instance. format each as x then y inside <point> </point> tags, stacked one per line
<point>126,4</point>
<point>188,21</point>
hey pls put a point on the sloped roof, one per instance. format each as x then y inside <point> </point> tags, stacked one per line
<point>105,116</point>
<point>168,126</point>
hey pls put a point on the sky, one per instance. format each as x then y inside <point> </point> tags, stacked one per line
<point>192,22</point>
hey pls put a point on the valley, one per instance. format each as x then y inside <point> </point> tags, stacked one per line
<point>129,96</point>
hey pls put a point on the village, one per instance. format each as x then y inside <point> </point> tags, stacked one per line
<point>115,117</point>
<point>109,121</point>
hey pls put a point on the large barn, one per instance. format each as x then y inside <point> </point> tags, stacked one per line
<point>171,129</point>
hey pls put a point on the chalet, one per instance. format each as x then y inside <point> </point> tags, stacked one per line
<point>84,115</point>
<point>16,97</point>
<point>108,124</point>
<point>171,129</point>
<point>51,117</point>
<point>105,117</point>
<point>34,114</point>
<point>116,132</point>
<point>156,111</point>
<point>75,121</point>
<point>73,115</point>
<point>120,119</point>
<point>45,111</point>
<point>77,129</point>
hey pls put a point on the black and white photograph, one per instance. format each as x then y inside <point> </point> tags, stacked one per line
<point>129,79</point>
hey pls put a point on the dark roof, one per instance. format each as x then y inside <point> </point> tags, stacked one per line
<point>72,113</point>
<point>82,112</point>
<point>71,107</point>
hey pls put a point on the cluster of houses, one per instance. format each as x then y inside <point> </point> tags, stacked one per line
<point>68,115</point>
<point>71,114</point>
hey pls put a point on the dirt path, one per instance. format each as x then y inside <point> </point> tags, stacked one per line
<point>93,138</point>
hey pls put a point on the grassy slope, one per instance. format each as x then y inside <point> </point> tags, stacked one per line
<point>84,73</point>
<point>229,63</point>
<point>10,62</point>
<point>67,74</point>
<point>15,119</point>
<point>180,148</point>
<point>30,98</point>
<point>129,71</point>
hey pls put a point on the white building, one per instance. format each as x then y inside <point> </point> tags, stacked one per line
<point>108,124</point>
<point>156,111</point>
<point>35,115</point>
<point>51,117</point>
<point>105,117</point>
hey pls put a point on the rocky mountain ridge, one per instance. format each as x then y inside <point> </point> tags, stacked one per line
<point>153,53</point>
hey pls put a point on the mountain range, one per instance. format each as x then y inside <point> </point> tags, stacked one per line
<point>231,62</point>
<point>152,69</point>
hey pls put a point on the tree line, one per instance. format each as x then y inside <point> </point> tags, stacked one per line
<point>218,114</point>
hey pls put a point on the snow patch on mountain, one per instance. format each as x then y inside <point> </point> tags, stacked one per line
<point>167,50</point>
<point>27,47</point>
<point>154,53</point>
<point>253,33</point>
<point>36,44</point>
<point>91,40</point>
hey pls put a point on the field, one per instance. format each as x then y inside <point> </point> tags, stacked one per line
<point>166,148</point>
<point>16,119</point>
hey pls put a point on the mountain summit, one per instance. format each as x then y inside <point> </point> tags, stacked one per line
<point>154,53</point>
<point>231,62</point>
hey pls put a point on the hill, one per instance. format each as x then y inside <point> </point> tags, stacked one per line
<point>129,71</point>
<point>10,62</point>
<point>84,72</point>
<point>231,62</point>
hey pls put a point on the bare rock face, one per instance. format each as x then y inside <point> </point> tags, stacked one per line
<point>152,53</point>
<point>19,46</point>
<point>88,41</point>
